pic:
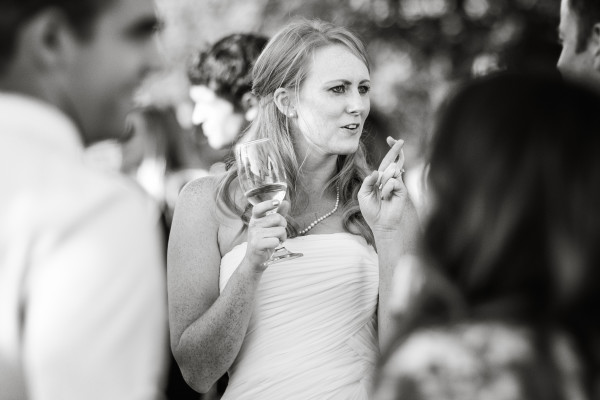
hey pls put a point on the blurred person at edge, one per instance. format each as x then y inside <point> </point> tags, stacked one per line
<point>507,292</point>
<point>82,279</point>
<point>579,34</point>
<point>160,156</point>
<point>221,89</point>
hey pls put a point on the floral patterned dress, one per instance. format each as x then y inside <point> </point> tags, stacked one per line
<point>480,361</point>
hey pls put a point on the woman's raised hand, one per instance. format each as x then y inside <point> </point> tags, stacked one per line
<point>265,232</point>
<point>383,196</point>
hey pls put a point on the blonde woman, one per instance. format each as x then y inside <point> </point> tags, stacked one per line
<point>305,328</point>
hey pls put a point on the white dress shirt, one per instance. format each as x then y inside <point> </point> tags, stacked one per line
<point>82,278</point>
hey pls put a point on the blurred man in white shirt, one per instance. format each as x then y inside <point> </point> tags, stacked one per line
<point>82,285</point>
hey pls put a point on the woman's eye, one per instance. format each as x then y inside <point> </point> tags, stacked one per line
<point>364,89</point>
<point>338,89</point>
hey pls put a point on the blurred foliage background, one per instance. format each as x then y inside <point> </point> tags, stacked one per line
<point>418,48</point>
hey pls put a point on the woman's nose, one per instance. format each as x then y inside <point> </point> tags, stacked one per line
<point>198,115</point>
<point>356,103</point>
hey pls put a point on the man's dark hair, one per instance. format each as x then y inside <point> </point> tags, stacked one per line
<point>226,68</point>
<point>15,13</point>
<point>587,13</point>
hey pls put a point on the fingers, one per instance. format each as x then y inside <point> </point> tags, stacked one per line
<point>266,232</point>
<point>269,238</point>
<point>369,184</point>
<point>394,170</point>
<point>267,221</point>
<point>395,153</point>
<point>261,209</point>
<point>266,225</point>
<point>400,162</point>
<point>391,185</point>
<point>284,208</point>
<point>262,241</point>
<point>395,167</point>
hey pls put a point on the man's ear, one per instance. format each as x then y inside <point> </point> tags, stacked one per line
<point>594,46</point>
<point>47,41</point>
<point>283,99</point>
<point>250,106</point>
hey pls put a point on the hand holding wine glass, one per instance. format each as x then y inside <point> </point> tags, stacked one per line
<point>263,181</point>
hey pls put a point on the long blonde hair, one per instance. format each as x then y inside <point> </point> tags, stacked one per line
<point>284,64</point>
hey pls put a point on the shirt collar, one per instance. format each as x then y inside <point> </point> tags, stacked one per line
<point>38,121</point>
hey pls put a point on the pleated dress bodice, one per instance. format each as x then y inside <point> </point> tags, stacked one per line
<point>313,332</point>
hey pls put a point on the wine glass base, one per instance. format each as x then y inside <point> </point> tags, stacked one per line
<point>282,254</point>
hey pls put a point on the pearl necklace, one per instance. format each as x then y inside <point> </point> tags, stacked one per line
<point>316,221</point>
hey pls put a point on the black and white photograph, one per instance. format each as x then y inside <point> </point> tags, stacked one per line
<point>299,199</point>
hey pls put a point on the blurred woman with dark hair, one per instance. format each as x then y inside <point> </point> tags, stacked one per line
<point>508,305</point>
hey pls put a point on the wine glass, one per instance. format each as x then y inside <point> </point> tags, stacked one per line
<point>262,178</point>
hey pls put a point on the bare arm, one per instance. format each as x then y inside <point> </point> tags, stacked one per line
<point>208,328</point>
<point>390,250</point>
<point>395,225</point>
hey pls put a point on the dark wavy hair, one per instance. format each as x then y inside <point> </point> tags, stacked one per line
<point>284,63</point>
<point>16,13</point>
<point>226,67</point>
<point>587,13</point>
<point>515,223</point>
<point>514,171</point>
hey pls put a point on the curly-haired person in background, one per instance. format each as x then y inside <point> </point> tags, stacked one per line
<point>221,88</point>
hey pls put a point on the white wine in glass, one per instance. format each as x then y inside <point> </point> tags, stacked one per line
<point>262,178</point>
<point>274,191</point>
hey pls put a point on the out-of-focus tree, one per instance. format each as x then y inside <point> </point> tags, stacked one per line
<point>418,48</point>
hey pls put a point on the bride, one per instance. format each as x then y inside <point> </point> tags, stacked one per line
<point>310,327</point>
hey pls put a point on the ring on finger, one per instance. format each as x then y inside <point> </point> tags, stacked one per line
<point>400,173</point>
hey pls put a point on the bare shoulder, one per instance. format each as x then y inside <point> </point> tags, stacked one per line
<point>194,226</point>
<point>201,214</point>
<point>201,191</point>
<point>206,191</point>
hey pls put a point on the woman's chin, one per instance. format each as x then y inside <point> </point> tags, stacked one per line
<point>348,148</point>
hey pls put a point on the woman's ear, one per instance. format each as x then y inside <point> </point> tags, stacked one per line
<point>250,106</point>
<point>283,100</point>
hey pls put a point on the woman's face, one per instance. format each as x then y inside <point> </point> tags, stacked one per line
<point>333,102</point>
<point>218,118</point>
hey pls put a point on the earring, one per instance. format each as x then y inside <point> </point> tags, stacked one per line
<point>292,114</point>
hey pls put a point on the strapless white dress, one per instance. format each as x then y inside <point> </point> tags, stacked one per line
<point>313,332</point>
